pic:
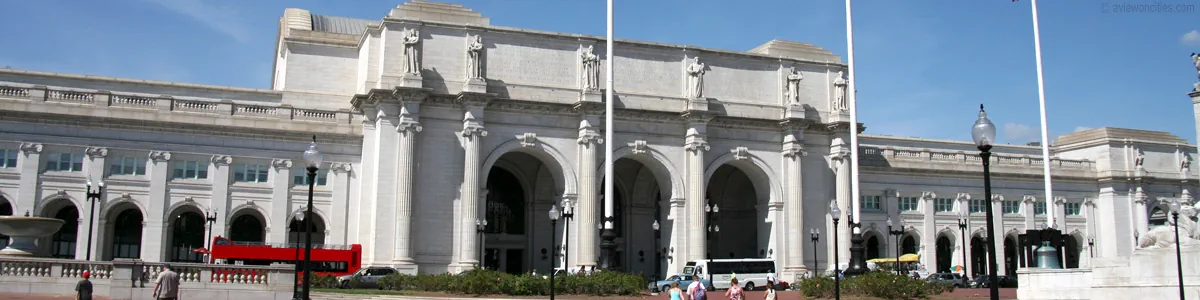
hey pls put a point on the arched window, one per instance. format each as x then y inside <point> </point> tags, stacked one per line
<point>187,234</point>
<point>127,235</point>
<point>5,210</point>
<point>63,241</point>
<point>872,247</point>
<point>908,245</point>
<point>505,203</point>
<point>246,228</point>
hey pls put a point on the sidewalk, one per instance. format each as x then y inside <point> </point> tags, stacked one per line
<point>14,296</point>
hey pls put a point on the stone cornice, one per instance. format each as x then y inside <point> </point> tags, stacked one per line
<point>841,127</point>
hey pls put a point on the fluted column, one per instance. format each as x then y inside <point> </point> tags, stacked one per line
<point>1140,216</point>
<point>793,154</point>
<point>696,145</point>
<point>840,160</point>
<point>472,134</point>
<point>928,248</point>
<point>998,232</point>
<point>28,193</point>
<point>406,129</point>
<point>586,214</point>
<point>153,249</point>
<point>675,255</point>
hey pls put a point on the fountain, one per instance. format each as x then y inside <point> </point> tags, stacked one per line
<point>24,231</point>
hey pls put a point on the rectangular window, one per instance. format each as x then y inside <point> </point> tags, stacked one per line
<point>127,165</point>
<point>1012,207</point>
<point>908,203</point>
<point>943,205</point>
<point>873,203</point>
<point>64,162</point>
<point>1039,208</point>
<point>190,169</point>
<point>250,173</point>
<point>300,177</point>
<point>1072,208</point>
<point>8,158</point>
<point>978,205</point>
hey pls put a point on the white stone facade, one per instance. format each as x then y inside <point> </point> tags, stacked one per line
<point>416,159</point>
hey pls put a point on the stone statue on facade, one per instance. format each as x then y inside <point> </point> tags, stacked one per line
<point>1196,62</point>
<point>695,78</point>
<point>1164,236</point>
<point>474,56</point>
<point>793,85</point>
<point>839,93</point>
<point>1139,160</point>
<point>590,69</point>
<point>412,63</point>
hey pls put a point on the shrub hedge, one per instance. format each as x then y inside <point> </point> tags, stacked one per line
<point>884,285</point>
<point>490,282</point>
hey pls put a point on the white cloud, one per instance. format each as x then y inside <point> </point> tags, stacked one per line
<point>1014,133</point>
<point>223,19</point>
<point>1192,38</point>
<point>1081,128</point>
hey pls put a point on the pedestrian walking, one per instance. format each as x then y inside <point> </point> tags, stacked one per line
<point>166,286</point>
<point>770,291</point>
<point>696,290</point>
<point>83,289</point>
<point>735,291</point>
<point>675,293</point>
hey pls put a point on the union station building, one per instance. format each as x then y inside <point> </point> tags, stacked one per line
<point>435,122</point>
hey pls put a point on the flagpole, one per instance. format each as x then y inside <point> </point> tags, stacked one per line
<point>853,107</point>
<point>1037,46</point>
<point>608,145</point>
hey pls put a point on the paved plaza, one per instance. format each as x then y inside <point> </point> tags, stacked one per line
<point>788,295</point>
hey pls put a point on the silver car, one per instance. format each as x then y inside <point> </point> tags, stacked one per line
<point>368,277</point>
<point>954,279</point>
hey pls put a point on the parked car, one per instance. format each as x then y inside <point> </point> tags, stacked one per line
<point>368,277</point>
<point>982,281</point>
<point>665,284</point>
<point>954,279</point>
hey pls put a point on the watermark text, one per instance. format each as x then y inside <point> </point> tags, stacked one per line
<point>1139,8</point>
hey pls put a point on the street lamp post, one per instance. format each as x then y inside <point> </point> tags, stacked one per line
<point>984,134</point>
<point>815,236</point>
<point>93,196</point>
<point>710,216</point>
<point>962,228</point>
<point>480,228</point>
<point>568,215</point>
<point>858,262</point>
<point>297,217</point>
<point>899,231</point>
<point>554,214</point>
<point>658,255</point>
<point>837,272</point>
<point>1178,257</point>
<point>313,158</point>
<point>1092,246</point>
<point>210,217</point>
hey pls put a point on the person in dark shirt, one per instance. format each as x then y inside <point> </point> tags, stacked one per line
<point>83,289</point>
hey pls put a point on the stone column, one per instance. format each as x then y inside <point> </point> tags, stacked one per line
<point>28,193</point>
<point>469,196</point>
<point>587,211</point>
<point>1141,217</point>
<point>1195,94</point>
<point>891,204</point>
<point>219,201</point>
<point>153,236</point>
<point>281,203</point>
<point>94,168</point>
<point>1028,207</point>
<point>696,145</point>
<point>928,248</point>
<point>676,233</point>
<point>998,231</point>
<point>793,157</point>
<point>406,130</point>
<point>1060,213</point>
<point>339,180</point>
<point>839,160</point>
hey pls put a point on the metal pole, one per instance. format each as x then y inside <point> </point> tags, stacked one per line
<point>963,227</point>
<point>993,282</point>
<point>837,272</point>
<point>553,238</point>
<point>91,223</point>
<point>312,178</point>
<point>567,243</point>
<point>897,254</point>
<point>607,235</point>
<point>1037,50</point>
<point>296,245</point>
<point>1178,256</point>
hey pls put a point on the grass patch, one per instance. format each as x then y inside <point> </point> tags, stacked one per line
<point>361,291</point>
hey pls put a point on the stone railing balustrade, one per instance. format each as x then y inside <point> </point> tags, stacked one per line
<point>132,279</point>
<point>961,157</point>
<point>169,104</point>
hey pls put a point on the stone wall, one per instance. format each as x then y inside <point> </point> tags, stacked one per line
<point>130,279</point>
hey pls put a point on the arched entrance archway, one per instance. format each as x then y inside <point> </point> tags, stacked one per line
<point>247,226</point>
<point>738,228</point>
<point>908,245</point>
<point>979,255</point>
<point>640,194</point>
<point>125,230</point>
<point>187,234</point>
<point>1010,255</point>
<point>296,231</point>
<point>520,188</point>
<point>5,210</point>
<point>873,247</point>
<point>945,252</point>
<point>1071,255</point>
<point>63,242</point>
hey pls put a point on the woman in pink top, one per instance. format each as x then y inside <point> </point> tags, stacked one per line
<point>735,290</point>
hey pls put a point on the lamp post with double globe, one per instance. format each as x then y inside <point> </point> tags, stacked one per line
<point>897,232</point>
<point>1178,256</point>
<point>313,158</point>
<point>554,214</point>
<point>93,196</point>
<point>298,217</point>
<point>984,134</point>
<point>837,272</point>
<point>963,221</point>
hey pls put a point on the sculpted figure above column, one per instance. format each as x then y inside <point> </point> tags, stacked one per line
<point>793,86</point>
<point>590,67</point>
<point>839,93</point>
<point>474,56</point>
<point>412,65</point>
<point>695,78</point>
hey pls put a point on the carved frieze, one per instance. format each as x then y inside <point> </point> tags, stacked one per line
<point>160,156</point>
<point>96,152</point>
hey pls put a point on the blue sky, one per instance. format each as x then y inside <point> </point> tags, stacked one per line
<point>923,66</point>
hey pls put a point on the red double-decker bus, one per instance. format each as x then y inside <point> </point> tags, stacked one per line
<point>336,260</point>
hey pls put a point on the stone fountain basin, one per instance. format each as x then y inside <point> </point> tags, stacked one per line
<point>29,226</point>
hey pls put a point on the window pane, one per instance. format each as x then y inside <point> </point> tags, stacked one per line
<point>321,181</point>
<point>262,173</point>
<point>141,169</point>
<point>202,173</point>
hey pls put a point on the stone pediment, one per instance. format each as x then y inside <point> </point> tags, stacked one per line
<point>795,50</point>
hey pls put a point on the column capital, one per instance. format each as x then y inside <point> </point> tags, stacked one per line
<point>408,124</point>
<point>96,152</point>
<point>1089,201</point>
<point>1029,199</point>
<point>794,150</point>
<point>928,196</point>
<point>1060,200</point>
<point>472,131</point>
<point>696,145</point>
<point>997,198</point>
<point>281,163</point>
<point>963,197</point>
<point>890,192</point>
<point>589,137</point>
<point>160,156</point>
<point>221,160</point>
<point>31,147</point>
<point>340,167</point>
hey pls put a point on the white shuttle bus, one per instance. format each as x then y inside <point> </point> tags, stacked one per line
<point>752,273</point>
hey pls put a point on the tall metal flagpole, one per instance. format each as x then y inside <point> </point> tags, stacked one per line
<point>851,101</point>
<point>1037,46</point>
<point>607,235</point>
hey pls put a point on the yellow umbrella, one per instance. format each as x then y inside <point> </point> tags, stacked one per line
<point>903,258</point>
